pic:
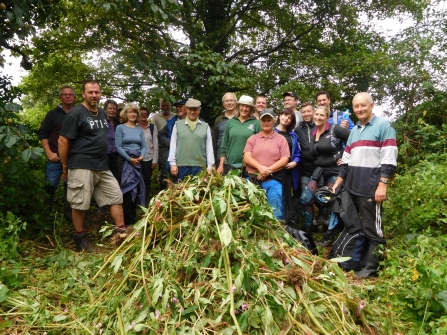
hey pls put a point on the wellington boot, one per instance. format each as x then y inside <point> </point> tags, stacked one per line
<point>371,264</point>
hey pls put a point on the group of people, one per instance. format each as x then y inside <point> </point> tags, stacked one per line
<point>290,155</point>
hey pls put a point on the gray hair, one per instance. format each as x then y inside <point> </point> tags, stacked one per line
<point>67,86</point>
<point>370,99</point>
<point>234,96</point>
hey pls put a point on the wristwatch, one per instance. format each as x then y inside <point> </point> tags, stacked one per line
<point>385,181</point>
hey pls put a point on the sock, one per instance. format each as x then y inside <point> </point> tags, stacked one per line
<point>79,233</point>
<point>121,227</point>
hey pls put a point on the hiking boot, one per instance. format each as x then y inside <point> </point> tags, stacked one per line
<point>327,240</point>
<point>82,243</point>
<point>122,230</point>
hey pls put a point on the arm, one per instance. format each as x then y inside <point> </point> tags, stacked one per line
<point>155,143</point>
<point>173,152</point>
<point>209,150</point>
<point>64,145</point>
<point>143,148</point>
<point>223,148</point>
<point>342,133</point>
<point>119,134</point>
<point>388,160</point>
<point>52,156</point>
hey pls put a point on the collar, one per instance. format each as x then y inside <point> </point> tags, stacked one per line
<point>310,124</point>
<point>270,136</point>
<point>325,129</point>
<point>371,122</point>
<point>198,121</point>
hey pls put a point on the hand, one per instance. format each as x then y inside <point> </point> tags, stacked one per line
<point>339,161</point>
<point>334,188</point>
<point>174,170</point>
<point>210,171</point>
<point>291,165</point>
<point>344,124</point>
<point>140,159</point>
<point>220,169</point>
<point>53,157</point>
<point>154,165</point>
<point>65,171</point>
<point>380,195</point>
<point>263,172</point>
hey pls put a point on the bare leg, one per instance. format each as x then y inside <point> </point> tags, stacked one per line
<point>78,220</point>
<point>117,214</point>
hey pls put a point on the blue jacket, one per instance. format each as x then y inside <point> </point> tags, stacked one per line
<point>132,179</point>
<point>295,156</point>
<point>340,118</point>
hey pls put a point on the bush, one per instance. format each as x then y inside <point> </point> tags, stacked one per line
<point>418,199</point>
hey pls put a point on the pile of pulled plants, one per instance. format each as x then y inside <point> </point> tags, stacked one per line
<point>208,257</point>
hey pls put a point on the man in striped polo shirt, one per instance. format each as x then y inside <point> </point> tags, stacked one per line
<point>369,160</point>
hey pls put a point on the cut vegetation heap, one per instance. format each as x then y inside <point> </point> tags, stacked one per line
<point>208,257</point>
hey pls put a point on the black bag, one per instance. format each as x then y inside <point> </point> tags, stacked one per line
<point>349,245</point>
<point>304,238</point>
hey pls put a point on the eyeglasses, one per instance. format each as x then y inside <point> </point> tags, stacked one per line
<point>231,100</point>
<point>67,94</point>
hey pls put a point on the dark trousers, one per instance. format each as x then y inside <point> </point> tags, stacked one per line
<point>129,209</point>
<point>146,168</point>
<point>370,213</point>
<point>113,165</point>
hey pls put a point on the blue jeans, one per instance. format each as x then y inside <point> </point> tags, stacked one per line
<point>52,176</point>
<point>273,189</point>
<point>184,171</point>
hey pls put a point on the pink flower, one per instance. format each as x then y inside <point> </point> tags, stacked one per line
<point>137,233</point>
<point>157,314</point>
<point>157,203</point>
<point>286,261</point>
<point>233,288</point>
<point>281,284</point>
<point>244,307</point>
<point>132,325</point>
<point>174,300</point>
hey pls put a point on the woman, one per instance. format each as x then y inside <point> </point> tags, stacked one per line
<point>111,107</point>
<point>285,127</point>
<point>131,146</point>
<point>327,149</point>
<point>266,155</point>
<point>237,131</point>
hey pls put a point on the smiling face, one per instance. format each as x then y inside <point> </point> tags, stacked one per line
<point>244,111</point>
<point>307,113</point>
<point>181,111</point>
<point>261,104</point>
<point>229,102</point>
<point>290,103</point>
<point>267,124</point>
<point>111,111</point>
<point>323,100</point>
<point>132,115</point>
<point>193,113</point>
<point>285,120</point>
<point>144,114</point>
<point>363,107</point>
<point>321,117</point>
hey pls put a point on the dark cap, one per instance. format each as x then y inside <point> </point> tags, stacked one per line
<point>267,111</point>
<point>180,102</point>
<point>193,103</point>
<point>290,94</point>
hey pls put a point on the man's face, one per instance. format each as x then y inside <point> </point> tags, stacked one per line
<point>261,104</point>
<point>144,114</point>
<point>323,100</point>
<point>165,108</point>
<point>229,102</point>
<point>92,95</point>
<point>290,103</point>
<point>363,108</point>
<point>193,113</point>
<point>67,96</point>
<point>308,113</point>
<point>181,111</point>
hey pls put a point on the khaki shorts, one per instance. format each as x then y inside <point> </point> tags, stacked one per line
<point>82,184</point>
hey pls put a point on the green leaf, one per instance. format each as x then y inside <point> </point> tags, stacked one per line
<point>58,318</point>
<point>3,292</point>
<point>340,259</point>
<point>26,154</point>
<point>226,234</point>
<point>10,140</point>
<point>117,262</point>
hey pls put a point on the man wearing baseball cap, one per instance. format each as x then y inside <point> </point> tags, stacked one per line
<point>291,101</point>
<point>191,143</point>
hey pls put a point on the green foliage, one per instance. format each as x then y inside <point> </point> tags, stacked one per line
<point>414,282</point>
<point>10,227</point>
<point>418,199</point>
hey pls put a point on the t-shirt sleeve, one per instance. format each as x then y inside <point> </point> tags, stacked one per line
<point>69,127</point>
<point>250,143</point>
<point>284,148</point>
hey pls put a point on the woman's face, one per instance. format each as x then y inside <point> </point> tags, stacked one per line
<point>285,120</point>
<point>244,111</point>
<point>320,117</point>
<point>132,115</point>
<point>267,123</point>
<point>111,111</point>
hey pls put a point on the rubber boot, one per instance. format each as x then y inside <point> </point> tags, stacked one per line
<point>371,264</point>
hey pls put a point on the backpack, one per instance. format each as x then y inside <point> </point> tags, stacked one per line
<point>304,238</point>
<point>349,245</point>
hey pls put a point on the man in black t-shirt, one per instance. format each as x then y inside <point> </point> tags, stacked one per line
<point>83,153</point>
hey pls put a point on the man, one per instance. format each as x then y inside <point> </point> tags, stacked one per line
<point>291,101</point>
<point>150,159</point>
<point>322,99</point>
<point>49,135</point>
<point>304,130</point>
<point>229,102</point>
<point>164,135</point>
<point>83,154</point>
<point>191,144</point>
<point>369,160</point>
<point>261,104</point>
<point>159,120</point>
